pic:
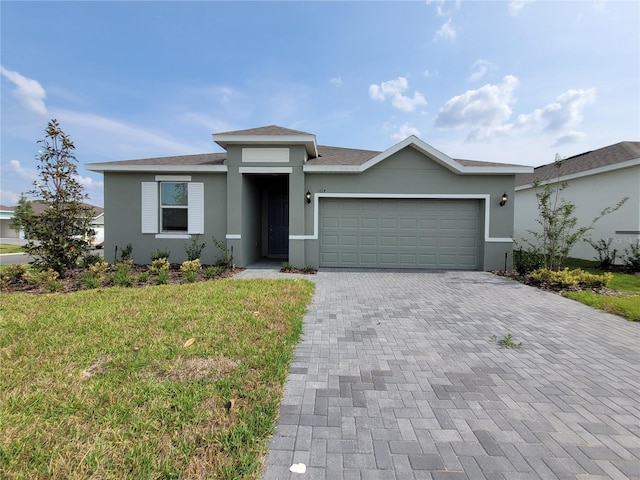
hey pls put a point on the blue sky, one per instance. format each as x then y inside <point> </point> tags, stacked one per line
<point>503,81</point>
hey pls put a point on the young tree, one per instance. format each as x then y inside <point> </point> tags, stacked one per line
<point>60,234</point>
<point>556,216</point>
<point>21,216</point>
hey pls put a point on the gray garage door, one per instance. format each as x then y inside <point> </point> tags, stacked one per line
<point>400,233</point>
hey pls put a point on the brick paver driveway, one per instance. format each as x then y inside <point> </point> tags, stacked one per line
<point>397,377</point>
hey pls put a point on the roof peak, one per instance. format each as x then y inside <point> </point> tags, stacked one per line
<point>266,130</point>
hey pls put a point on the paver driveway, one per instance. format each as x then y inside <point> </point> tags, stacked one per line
<point>397,377</point>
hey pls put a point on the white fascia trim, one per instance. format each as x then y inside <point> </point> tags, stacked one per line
<point>177,236</point>
<point>587,173</point>
<point>427,150</point>
<point>104,167</point>
<point>173,178</point>
<point>437,196</point>
<point>233,236</point>
<point>265,169</point>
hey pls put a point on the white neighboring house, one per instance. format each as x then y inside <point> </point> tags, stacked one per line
<point>6,215</point>
<point>596,180</point>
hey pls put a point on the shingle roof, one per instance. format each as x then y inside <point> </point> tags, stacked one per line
<point>341,156</point>
<point>268,130</point>
<point>39,207</point>
<point>198,159</point>
<point>602,157</point>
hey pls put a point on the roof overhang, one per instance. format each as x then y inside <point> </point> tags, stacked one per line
<point>114,167</point>
<point>426,149</point>
<point>308,140</point>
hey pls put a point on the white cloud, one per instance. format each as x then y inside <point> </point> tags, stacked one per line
<point>446,31</point>
<point>337,81</point>
<point>480,68</point>
<point>560,116</point>
<point>29,92</point>
<point>483,110</point>
<point>88,182</point>
<point>405,131</point>
<point>516,6</point>
<point>16,170</point>
<point>441,7</point>
<point>394,89</point>
<point>487,110</point>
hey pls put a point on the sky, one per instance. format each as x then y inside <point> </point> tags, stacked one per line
<point>502,81</point>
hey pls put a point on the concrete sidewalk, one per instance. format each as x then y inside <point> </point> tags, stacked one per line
<point>397,377</point>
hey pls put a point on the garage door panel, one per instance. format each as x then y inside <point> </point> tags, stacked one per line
<point>400,233</point>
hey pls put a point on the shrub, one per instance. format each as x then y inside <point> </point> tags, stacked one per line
<point>13,273</point>
<point>632,262</point>
<point>193,249</point>
<point>143,277</point>
<point>122,275</point>
<point>214,271</point>
<point>89,280</point>
<point>287,267</point>
<point>526,261</point>
<point>606,257</point>
<point>159,254</point>
<point>99,268</point>
<point>43,279</point>
<point>91,259</point>
<point>125,253</point>
<point>190,269</point>
<point>570,278</point>
<point>162,277</point>
<point>225,258</point>
<point>309,269</point>
<point>159,265</point>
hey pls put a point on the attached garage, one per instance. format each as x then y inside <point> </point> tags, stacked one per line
<point>401,233</point>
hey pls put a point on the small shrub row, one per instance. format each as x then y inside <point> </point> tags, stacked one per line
<point>571,278</point>
<point>607,257</point>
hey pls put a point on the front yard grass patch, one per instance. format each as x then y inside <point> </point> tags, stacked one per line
<point>8,248</point>
<point>173,381</point>
<point>625,306</point>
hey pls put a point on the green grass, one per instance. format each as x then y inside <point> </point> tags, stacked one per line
<point>7,248</point>
<point>109,384</point>
<point>627,306</point>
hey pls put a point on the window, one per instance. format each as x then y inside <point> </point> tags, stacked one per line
<point>172,206</point>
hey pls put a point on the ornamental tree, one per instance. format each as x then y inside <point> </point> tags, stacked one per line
<point>560,230</point>
<point>61,233</point>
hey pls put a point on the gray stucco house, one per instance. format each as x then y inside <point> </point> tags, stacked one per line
<point>276,193</point>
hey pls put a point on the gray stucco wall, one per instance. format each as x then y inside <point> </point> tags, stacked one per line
<point>122,192</point>
<point>410,172</point>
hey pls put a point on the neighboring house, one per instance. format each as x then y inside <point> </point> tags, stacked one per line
<point>275,193</point>
<point>596,180</point>
<point>6,216</point>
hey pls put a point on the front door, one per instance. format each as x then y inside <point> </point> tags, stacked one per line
<point>278,224</point>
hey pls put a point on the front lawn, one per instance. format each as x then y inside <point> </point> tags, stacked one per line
<point>171,381</point>
<point>626,303</point>
<point>8,248</point>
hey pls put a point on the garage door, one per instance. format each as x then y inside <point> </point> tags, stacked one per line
<point>400,233</point>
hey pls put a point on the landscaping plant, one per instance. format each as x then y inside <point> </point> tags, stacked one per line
<point>61,234</point>
<point>560,230</point>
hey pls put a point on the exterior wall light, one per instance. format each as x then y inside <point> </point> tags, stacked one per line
<point>503,199</point>
<point>308,196</point>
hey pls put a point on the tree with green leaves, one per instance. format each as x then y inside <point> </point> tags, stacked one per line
<point>21,216</point>
<point>560,230</point>
<point>61,233</point>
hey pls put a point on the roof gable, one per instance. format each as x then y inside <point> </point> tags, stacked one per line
<point>269,135</point>
<point>462,167</point>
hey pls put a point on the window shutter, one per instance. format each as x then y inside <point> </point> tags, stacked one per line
<point>149,207</point>
<point>196,208</point>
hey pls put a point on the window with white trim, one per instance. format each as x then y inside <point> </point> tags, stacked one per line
<point>172,206</point>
